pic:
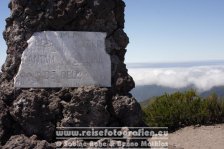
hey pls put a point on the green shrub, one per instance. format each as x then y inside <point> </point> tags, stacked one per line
<point>183,109</point>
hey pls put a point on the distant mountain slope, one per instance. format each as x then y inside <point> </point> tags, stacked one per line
<point>218,90</point>
<point>142,93</point>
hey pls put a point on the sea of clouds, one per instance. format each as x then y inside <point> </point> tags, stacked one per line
<point>201,77</point>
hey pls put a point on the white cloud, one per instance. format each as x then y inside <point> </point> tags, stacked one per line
<point>202,77</point>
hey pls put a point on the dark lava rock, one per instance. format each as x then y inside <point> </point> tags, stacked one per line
<point>5,123</point>
<point>87,108</point>
<point>37,113</point>
<point>23,142</point>
<point>127,110</point>
<point>28,112</point>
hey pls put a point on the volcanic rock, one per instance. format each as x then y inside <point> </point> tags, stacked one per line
<point>25,113</point>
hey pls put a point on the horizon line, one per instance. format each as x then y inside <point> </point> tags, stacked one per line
<point>174,62</point>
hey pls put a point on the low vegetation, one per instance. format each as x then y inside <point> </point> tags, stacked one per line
<point>183,109</point>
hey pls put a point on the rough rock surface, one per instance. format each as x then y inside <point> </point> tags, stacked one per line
<point>28,112</point>
<point>23,142</point>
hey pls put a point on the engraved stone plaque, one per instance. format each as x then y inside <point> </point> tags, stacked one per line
<point>64,59</point>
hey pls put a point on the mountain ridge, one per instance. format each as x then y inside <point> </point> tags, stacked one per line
<point>145,92</point>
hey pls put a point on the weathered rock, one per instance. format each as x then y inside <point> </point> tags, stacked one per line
<point>5,122</point>
<point>39,111</point>
<point>23,142</point>
<point>87,108</point>
<point>125,106</point>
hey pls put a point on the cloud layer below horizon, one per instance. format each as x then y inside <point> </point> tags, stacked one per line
<point>202,77</point>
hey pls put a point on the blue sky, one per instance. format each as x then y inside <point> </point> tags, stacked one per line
<point>4,14</point>
<point>165,30</point>
<point>175,30</point>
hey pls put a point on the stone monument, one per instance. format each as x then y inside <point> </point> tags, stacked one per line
<point>64,68</point>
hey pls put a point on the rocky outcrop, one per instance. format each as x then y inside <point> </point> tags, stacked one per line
<point>22,142</point>
<point>28,112</point>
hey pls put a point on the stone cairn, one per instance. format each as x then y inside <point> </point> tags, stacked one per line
<point>29,117</point>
